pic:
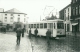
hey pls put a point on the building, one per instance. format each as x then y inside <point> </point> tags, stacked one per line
<point>11,17</point>
<point>65,14</point>
<point>75,15</point>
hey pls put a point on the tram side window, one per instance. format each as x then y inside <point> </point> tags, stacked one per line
<point>41,25</point>
<point>54,25</point>
<point>60,25</point>
<point>68,28</point>
<point>45,25</point>
<point>37,25</point>
<point>31,25</point>
<point>34,25</point>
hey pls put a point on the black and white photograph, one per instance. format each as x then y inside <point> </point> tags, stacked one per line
<point>39,25</point>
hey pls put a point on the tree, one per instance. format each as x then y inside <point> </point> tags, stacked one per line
<point>51,18</point>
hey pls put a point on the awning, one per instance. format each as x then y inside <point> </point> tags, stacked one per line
<point>74,24</point>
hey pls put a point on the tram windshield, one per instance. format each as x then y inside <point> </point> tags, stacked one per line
<point>60,25</point>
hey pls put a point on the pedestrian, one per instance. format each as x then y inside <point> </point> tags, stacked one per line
<point>30,33</point>
<point>23,32</point>
<point>48,35</point>
<point>1,29</point>
<point>36,32</point>
<point>4,29</point>
<point>18,31</point>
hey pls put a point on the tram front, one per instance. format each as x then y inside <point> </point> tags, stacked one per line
<point>60,29</point>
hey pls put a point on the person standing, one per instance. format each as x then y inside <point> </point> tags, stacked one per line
<point>23,32</point>
<point>48,35</point>
<point>30,33</point>
<point>36,32</point>
<point>4,29</point>
<point>18,31</point>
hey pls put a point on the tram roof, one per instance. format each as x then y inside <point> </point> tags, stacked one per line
<point>48,21</point>
<point>56,20</point>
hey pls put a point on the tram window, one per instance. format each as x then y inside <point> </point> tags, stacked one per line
<point>31,25</point>
<point>45,25</point>
<point>34,25</point>
<point>68,28</point>
<point>54,25</point>
<point>37,25</point>
<point>60,25</point>
<point>41,25</point>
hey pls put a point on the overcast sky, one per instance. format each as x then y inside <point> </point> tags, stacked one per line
<point>35,8</point>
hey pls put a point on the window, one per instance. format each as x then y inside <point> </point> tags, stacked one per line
<point>11,14</point>
<point>73,11</point>
<point>24,19</point>
<point>73,1</point>
<point>5,14</point>
<point>68,9</point>
<point>18,15</point>
<point>5,17</point>
<point>68,16</point>
<point>41,25</point>
<point>34,25</point>
<point>60,25</point>
<point>18,19</point>
<point>76,10</point>
<point>79,9</point>
<point>45,25</point>
<point>31,25</point>
<point>68,27</point>
<point>65,11</point>
<point>11,17</point>
<point>54,25</point>
<point>37,25</point>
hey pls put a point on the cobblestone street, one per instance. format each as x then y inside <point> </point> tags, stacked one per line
<point>8,43</point>
<point>66,44</point>
<point>38,44</point>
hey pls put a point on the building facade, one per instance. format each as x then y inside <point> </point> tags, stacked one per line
<point>11,17</point>
<point>75,15</point>
<point>65,14</point>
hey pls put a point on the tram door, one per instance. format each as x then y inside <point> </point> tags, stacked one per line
<point>50,26</point>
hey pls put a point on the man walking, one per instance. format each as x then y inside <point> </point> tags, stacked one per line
<point>36,32</point>
<point>18,31</point>
<point>48,35</point>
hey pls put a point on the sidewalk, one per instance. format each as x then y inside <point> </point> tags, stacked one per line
<point>8,44</point>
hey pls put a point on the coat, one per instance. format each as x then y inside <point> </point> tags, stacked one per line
<point>30,32</point>
<point>18,31</point>
<point>48,33</point>
<point>23,30</point>
<point>36,31</point>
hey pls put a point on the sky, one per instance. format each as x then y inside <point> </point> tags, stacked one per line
<point>35,9</point>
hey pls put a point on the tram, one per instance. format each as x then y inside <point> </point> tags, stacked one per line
<point>56,26</point>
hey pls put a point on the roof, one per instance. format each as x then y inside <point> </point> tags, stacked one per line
<point>14,10</point>
<point>56,20</point>
<point>65,7</point>
<point>48,21</point>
